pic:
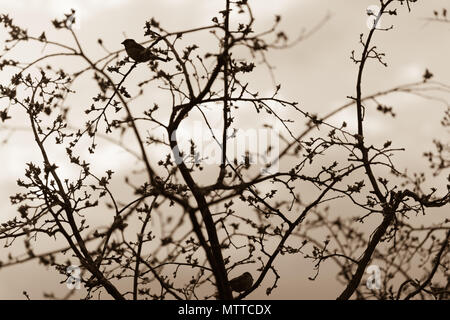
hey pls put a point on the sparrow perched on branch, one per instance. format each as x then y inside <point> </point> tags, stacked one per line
<point>138,53</point>
<point>242,283</point>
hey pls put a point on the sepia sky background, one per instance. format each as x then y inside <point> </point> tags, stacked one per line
<point>317,72</point>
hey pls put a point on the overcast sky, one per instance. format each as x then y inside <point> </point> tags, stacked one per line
<point>317,72</point>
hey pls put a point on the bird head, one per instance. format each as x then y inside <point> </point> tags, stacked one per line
<point>127,42</point>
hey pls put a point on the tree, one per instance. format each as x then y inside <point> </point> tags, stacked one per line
<point>215,219</point>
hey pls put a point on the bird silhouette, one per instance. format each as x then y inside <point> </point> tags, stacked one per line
<point>139,53</point>
<point>242,283</point>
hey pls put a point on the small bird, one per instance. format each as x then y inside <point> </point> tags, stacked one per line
<point>138,53</point>
<point>242,283</point>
